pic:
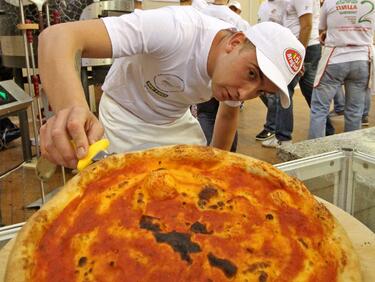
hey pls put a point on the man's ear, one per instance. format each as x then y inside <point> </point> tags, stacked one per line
<point>234,40</point>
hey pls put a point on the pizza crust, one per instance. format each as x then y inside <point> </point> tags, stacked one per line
<point>21,257</point>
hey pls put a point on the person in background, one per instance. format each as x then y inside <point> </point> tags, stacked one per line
<point>207,111</point>
<point>346,59</point>
<point>235,6</point>
<point>302,18</point>
<point>270,10</point>
<point>165,60</point>
<point>339,106</point>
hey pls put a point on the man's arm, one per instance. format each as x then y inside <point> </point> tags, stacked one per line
<point>59,52</point>
<point>225,126</point>
<point>305,22</point>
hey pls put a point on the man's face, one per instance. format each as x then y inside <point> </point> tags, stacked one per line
<point>238,77</point>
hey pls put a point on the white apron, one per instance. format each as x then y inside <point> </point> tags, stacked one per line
<point>125,131</point>
<point>326,55</point>
<point>372,70</point>
<point>323,62</point>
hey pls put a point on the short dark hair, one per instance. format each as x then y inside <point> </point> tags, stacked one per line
<point>247,44</point>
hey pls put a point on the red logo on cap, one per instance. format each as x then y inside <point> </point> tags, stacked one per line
<point>293,60</point>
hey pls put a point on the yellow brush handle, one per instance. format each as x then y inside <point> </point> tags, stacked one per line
<point>94,149</point>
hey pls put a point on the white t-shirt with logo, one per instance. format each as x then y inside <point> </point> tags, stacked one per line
<point>272,11</point>
<point>350,27</point>
<point>297,8</point>
<point>161,69</point>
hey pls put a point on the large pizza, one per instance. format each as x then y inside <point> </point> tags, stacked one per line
<point>182,213</point>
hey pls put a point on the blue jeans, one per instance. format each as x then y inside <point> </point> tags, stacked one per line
<point>339,102</point>
<point>354,75</point>
<point>280,120</point>
<point>270,101</point>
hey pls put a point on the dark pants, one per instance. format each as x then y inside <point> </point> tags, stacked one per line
<point>280,120</point>
<point>206,116</point>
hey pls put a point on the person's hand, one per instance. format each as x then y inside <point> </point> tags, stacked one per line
<point>75,125</point>
<point>301,71</point>
<point>322,37</point>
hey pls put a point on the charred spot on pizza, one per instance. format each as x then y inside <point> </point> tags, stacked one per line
<point>160,168</point>
<point>207,193</point>
<point>148,223</point>
<point>228,267</point>
<point>111,263</point>
<point>201,228</point>
<point>140,198</point>
<point>269,216</point>
<point>250,250</point>
<point>254,267</point>
<point>180,243</point>
<point>263,276</point>
<point>303,243</point>
<point>123,184</point>
<point>82,261</point>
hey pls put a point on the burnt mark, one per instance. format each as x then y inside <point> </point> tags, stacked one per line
<point>303,243</point>
<point>140,198</point>
<point>180,243</point>
<point>198,227</point>
<point>161,168</point>
<point>82,261</point>
<point>269,216</point>
<point>250,250</point>
<point>148,223</point>
<point>256,266</point>
<point>263,276</point>
<point>229,268</point>
<point>207,193</point>
<point>220,204</point>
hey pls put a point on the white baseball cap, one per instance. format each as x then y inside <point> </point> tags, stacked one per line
<point>235,4</point>
<point>279,53</point>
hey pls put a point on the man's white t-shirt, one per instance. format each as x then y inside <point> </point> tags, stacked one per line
<point>161,69</point>
<point>350,28</point>
<point>297,8</point>
<point>272,11</point>
<point>223,12</point>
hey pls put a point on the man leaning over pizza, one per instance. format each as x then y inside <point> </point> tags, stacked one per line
<point>165,60</point>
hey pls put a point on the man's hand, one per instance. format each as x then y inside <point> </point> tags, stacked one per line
<point>322,37</point>
<point>301,71</point>
<point>75,125</point>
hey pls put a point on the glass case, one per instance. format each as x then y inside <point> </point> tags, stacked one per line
<point>345,178</point>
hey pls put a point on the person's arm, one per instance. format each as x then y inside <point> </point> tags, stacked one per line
<point>225,126</point>
<point>305,22</point>
<point>59,52</point>
<point>323,24</point>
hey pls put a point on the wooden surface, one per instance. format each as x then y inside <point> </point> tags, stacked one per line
<point>363,240</point>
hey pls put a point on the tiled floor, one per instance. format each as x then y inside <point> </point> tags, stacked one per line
<point>22,187</point>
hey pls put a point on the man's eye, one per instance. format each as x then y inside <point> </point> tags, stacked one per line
<point>252,74</point>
